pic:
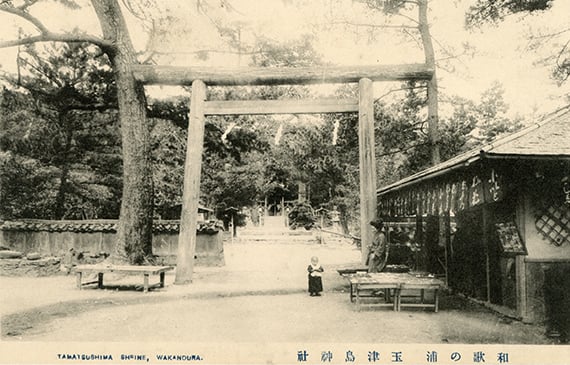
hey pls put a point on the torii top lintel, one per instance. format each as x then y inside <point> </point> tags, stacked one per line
<point>173,75</point>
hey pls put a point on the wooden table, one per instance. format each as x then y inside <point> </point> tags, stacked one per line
<point>371,284</point>
<point>422,284</point>
<point>353,270</point>
<point>365,286</point>
<point>146,271</point>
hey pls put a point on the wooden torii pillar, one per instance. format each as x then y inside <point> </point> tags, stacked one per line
<point>191,193</point>
<point>367,164</point>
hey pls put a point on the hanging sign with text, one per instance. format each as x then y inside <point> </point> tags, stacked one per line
<point>447,195</point>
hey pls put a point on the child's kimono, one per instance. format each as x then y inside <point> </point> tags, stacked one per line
<point>315,280</point>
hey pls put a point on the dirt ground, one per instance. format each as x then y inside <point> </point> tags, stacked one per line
<point>259,296</point>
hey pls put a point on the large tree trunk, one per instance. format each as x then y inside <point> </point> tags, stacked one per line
<point>433,117</point>
<point>63,164</point>
<point>134,236</point>
<point>59,212</point>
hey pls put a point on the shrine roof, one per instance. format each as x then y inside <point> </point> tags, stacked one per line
<point>546,138</point>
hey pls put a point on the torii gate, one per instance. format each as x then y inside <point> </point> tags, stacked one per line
<point>200,78</point>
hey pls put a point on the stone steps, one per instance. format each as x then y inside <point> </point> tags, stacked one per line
<point>273,231</point>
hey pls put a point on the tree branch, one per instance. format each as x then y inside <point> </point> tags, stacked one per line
<point>25,15</point>
<point>27,4</point>
<point>552,35</point>
<point>91,107</point>
<point>403,149</point>
<point>408,17</point>
<point>413,38</point>
<point>210,51</point>
<point>53,37</point>
<point>474,17</point>
<point>98,125</point>
<point>370,25</point>
<point>449,54</point>
<point>560,53</point>
<point>48,75</point>
<point>400,89</point>
<point>46,35</point>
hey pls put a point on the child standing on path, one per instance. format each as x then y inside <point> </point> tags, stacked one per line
<point>315,277</point>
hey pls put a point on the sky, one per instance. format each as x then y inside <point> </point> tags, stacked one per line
<point>499,53</point>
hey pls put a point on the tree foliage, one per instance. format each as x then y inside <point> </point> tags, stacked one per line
<point>134,236</point>
<point>302,215</point>
<point>556,40</point>
<point>296,53</point>
<point>232,156</point>
<point>392,7</point>
<point>495,11</point>
<point>55,119</point>
<point>404,139</point>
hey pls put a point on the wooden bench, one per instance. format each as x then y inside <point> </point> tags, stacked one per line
<point>146,271</point>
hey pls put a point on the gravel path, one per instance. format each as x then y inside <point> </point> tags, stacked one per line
<point>259,296</point>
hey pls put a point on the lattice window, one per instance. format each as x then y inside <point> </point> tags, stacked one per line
<point>554,225</point>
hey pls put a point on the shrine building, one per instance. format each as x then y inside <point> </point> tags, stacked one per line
<point>494,221</point>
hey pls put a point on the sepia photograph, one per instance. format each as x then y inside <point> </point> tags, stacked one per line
<point>285,182</point>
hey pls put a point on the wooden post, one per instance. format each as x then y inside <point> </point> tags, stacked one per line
<point>232,229</point>
<point>145,287</point>
<point>447,242</point>
<point>283,213</point>
<point>520,266</point>
<point>302,192</point>
<point>191,194</point>
<point>162,279</point>
<point>419,230</point>
<point>520,269</point>
<point>485,214</point>
<point>265,211</point>
<point>367,163</point>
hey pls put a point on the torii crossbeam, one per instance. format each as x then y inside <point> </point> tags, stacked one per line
<point>172,75</point>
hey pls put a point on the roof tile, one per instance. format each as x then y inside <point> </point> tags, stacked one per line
<point>105,226</point>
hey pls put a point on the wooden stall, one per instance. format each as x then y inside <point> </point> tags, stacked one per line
<point>497,220</point>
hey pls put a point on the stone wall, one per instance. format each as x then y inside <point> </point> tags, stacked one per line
<point>209,247</point>
<point>54,239</point>
<point>23,267</point>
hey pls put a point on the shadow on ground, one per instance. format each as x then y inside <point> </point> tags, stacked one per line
<point>259,296</point>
